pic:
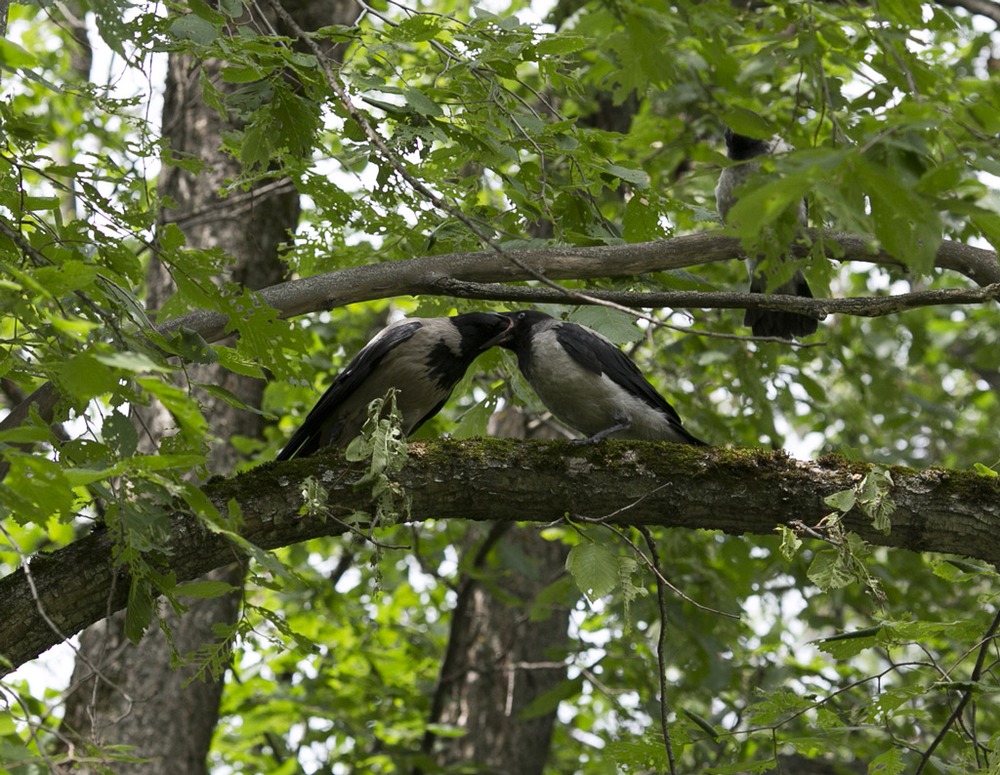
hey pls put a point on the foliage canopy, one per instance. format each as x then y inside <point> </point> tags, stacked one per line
<point>450,130</point>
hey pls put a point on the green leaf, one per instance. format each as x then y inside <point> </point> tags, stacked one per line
<point>547,702</point>
<point>776,706</point>
<point>842,501</point>
<point>830,569</point>
<point>905,223</point>
<point>120,434</point>
<point>790,542</point>
<point>771,202</point>
<point>637,178</point>
<point>231,398</point>
<point>36,489</point>
<point>41,203</point>
<point>641,222</point>
<point>125,300</point>
<point>238,362</point>
<point>702,724</point>
<point>242,74</point>
<point>849,644</point>
<point>84,377</point>
<point>203,589</point>
<point>194,28</point>
<point>562,43</point>
<point>138,610</point>
<point>232,8</point>
<point>746,122</point>
<point>66,277</point>
<point>421,103</point>
<point>297,121</point>
<point>257,146</point>
<point>594,568</point>
<point>616,325</point>
<point>132,361</point>
<point>889,762</point>
<point>12,56</point>
<point>417,28</point>
<point>182,406</point>
<point>875,500</point>
<point>639,754</point>
<point>189,345</point>
<point>474,422</point>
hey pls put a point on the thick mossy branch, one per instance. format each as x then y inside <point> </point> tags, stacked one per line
<point>629,483</point>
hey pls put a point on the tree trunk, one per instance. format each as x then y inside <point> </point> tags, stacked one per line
<point>503,652</point>
<point>501,657</point>
<point>134,695</point>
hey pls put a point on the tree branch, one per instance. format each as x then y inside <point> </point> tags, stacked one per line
<point>860,306</point>
<point>449,274</point>
<point>437,275</point>
<point>978,7</point>
<point>735,491</point>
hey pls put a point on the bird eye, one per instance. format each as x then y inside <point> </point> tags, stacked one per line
<point>520,315</point>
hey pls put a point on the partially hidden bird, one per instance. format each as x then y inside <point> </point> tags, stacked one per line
<point>423,358</point>
<point>588,383</point>
<point>744,150</point>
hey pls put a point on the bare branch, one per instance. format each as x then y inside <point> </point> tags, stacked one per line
<point>860,306</point>
<point>442,275</point>
<point>985,8</point>
<point>661,651</point>
<point>956,713</point>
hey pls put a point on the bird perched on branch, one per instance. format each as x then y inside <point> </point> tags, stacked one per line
<point>589,383</point>
<point>423,358</point>
<point>741,148</point>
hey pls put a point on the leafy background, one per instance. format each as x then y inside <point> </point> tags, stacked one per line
<point>600,126</point>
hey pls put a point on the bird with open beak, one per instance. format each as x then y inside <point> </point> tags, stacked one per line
<point>588,383</point>
<point>422,358</point>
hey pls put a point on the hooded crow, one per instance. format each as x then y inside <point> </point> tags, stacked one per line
<point>423,358</point>
<point>588,383</point>
<point>741,148</point>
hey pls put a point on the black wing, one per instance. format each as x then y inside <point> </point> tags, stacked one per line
<point>597,354</point>
<point>305,440</point>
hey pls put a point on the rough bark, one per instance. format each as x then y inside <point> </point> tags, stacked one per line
<point>447,275</point>
<point>133,695</point>
<point>735,491</point>
<point>506,649</point>
<point>501,657</point>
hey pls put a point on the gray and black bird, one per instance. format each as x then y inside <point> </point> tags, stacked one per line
<point>588,383</point>
<point>423,358</point>
<point>743,149</point>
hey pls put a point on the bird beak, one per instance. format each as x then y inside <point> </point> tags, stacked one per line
<point>503,337</point>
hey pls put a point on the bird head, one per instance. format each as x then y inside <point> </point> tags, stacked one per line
<point>741,147</point>
<point>524,323</point>
<point>484,329</point>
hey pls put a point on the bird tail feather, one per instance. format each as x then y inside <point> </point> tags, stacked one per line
<point>782,324</point>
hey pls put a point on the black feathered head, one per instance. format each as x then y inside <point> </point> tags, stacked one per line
<point>741,147</point>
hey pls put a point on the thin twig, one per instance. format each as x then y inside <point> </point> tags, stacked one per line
<point>651,564</point>
<point>423,189</point>
<point>859,306</point>
<point>63,638</point>
<point>966,696</point>
<point>661,652</point>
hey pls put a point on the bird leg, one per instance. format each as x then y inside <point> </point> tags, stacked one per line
<point>624,425</point>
